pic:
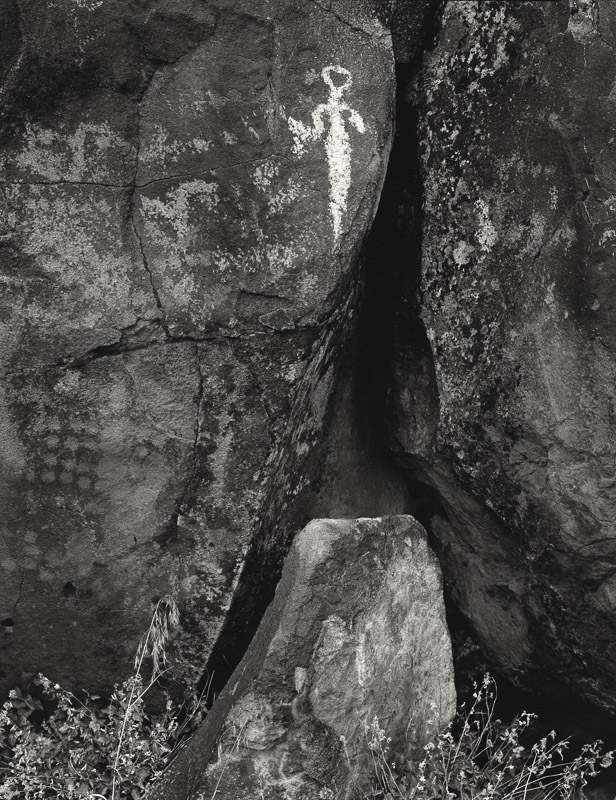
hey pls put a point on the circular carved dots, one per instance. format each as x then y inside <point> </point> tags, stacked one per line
<point>69,590</point>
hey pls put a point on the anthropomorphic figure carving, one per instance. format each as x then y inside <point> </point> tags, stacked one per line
<point>331,116</point>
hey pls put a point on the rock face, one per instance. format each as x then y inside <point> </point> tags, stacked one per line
<point>184,190</point>
<point>516,445</point>
<point>356,631</point>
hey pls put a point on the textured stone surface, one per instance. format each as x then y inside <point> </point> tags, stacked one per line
<point>179,237</point>
<point>516,109</point>
<point>356,631</point>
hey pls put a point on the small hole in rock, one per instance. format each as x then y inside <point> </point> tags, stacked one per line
<point>70,590</point>
<point>7,623</point>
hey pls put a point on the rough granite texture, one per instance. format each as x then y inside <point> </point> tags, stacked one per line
<point>356,632</point>
<point>517,111</point>
<point>184,188</point>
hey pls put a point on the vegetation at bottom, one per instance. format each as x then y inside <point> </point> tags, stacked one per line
<point>478,757</point>
<point>54,744</point>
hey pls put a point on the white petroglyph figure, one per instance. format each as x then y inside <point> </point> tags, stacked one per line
<point>337,141</point>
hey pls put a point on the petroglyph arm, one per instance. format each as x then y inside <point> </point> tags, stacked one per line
<point>318,124</point>
<point>302,134</point>
<point>356,120</point>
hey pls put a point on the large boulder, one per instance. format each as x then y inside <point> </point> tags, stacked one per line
<point>515,448</point>
<point>184,191</point>
<point>354,647</point>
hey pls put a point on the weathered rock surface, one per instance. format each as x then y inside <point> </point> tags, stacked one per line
<point>516,132</point>
<point>356,631</point>
<point>184,188</point>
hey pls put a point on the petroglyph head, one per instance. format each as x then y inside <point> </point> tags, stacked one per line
<point>337,78</point>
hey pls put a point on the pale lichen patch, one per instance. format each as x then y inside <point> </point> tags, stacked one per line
<point>161,149</point>
<point>462,253</point>
<point>487,235</point>
<point>175,207</point>
<point>91,153</point>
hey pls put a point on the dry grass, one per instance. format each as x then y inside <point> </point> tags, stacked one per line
<point>485,760</point>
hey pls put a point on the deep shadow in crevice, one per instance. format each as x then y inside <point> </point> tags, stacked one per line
<point>390,326</point>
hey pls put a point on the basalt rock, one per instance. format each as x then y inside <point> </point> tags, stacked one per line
<point>515,448</point>
<point>184,189</point>
<point>354,646</point>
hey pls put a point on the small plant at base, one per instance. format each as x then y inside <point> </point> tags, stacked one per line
<point>485,761</point>
<point>84,751</point>
<point>165,620</point>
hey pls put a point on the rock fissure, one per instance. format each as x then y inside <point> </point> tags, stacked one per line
<point>132,343</point>
<point>212,170</point>
<point>340,18</point>
<point>134,185</point>
<point>146,267</point>
<point>265,295</point>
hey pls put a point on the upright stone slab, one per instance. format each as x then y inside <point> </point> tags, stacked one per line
<point>356,634</point>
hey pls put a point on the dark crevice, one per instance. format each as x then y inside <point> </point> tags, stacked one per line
<point>554,706</point>
<point>140,336</point>
<point>393,340</point>
<point>149,333</point>
<point>262,295</point>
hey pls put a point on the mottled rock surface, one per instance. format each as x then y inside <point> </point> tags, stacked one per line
<point>356,631</point>
<point>184,188</point>
<point>517,455</point>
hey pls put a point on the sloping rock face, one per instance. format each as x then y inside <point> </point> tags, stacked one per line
<point>184,188</point>
<point>356,631</point>
<point>516,110</point>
